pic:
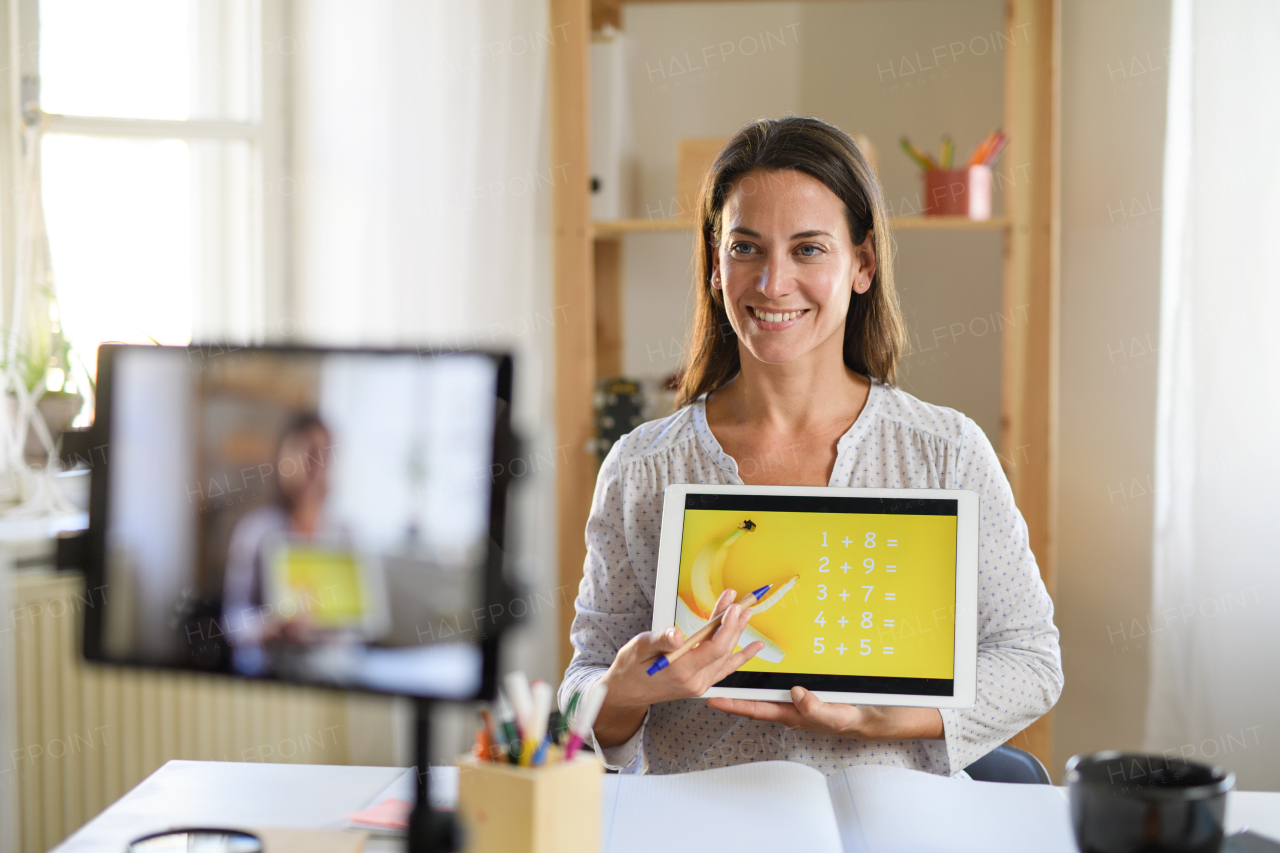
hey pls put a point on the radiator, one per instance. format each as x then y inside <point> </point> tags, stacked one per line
<point>85,733</point>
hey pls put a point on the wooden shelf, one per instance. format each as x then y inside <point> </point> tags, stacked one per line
<point>948,223</point>
<point>612,228</point>
<point>616,227</point>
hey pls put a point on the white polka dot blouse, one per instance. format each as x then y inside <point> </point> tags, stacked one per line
<point>896,442</point>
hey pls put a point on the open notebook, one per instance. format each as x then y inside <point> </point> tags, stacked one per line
<point>775,806</point>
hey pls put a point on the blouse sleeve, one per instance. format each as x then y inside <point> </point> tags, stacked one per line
<point>610,608</point>
<point>1019,662</point>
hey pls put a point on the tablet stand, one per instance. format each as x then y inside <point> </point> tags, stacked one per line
<point>430,830</point>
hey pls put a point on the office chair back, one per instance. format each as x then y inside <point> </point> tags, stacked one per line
<point>1009,764</point>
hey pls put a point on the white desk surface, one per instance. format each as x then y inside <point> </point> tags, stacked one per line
<point>316,796</point>
<point>232,794</point>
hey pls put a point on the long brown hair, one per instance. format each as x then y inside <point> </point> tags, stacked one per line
<point>874,334</point>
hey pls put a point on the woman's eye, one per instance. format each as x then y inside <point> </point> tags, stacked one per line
<point>810,250</point>
<point>740,248</point>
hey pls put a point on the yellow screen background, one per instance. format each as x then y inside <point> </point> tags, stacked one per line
<point>918,624</point>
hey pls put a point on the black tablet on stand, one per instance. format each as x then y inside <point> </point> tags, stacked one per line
<point>308,515</point>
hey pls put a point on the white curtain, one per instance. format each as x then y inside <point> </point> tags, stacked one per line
<point>1215,664</point>
<point>420,168</point>
<point>422,202</point>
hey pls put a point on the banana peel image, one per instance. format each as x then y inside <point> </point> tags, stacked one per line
<point>690,622</point>
<point>707,581</point>
<point>774,596</point>
<point>707,576</point>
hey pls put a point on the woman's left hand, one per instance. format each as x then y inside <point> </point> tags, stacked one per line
<point>865,722</point>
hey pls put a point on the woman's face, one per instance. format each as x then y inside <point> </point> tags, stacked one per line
<point>787,265</point>
<point>303,463</point>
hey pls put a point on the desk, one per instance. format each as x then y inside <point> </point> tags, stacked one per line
<point>232,794</point>
<point>223,793</point>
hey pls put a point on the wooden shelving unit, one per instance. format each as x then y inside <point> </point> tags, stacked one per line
<point>587,282</point>
<point>948,223</point>
<point>611,229</point>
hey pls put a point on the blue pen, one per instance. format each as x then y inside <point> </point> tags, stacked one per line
<point>703,633</point>
<point>540,757</point>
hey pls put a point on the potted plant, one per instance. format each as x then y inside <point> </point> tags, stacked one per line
<point>42,364</point>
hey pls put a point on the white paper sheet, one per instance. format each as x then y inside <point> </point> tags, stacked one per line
<point>1256,811</point>
<point>442,791</point>
<point>762,807</point>
<point>891,810</point>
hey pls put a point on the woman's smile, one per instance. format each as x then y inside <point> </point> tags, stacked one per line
<point>775,320</point>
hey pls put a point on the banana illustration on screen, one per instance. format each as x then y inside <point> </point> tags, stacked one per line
<point>690,622</point>
<point>707,576</point>
<point>707,580</point>
<point>775,596</point>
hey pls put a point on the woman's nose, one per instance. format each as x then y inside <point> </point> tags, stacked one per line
<point>773,281</point>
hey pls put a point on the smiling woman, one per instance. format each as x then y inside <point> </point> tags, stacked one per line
<point>790,381</point>
<point>824,176</point>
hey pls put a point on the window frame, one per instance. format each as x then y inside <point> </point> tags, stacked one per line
<point>270,291</point>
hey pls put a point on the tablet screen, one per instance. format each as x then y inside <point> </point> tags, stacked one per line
<point>310,515</point>
<point>862,596</point>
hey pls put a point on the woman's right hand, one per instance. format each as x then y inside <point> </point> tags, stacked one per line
<point>632,690</point>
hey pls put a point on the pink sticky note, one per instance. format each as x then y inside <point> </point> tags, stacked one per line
<point>391,813</point>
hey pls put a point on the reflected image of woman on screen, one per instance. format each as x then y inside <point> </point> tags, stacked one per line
<point>790,379</point>
<point>301,470</point>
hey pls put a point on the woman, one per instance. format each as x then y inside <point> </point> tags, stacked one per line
<point>789,380</point>
<point>301,467</point>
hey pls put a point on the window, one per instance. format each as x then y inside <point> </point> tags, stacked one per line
<point>155,153</point>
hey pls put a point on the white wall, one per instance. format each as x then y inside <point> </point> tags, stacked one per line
<point>1113,118</point>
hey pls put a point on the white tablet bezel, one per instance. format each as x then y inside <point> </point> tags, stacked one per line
<point>966,621</point>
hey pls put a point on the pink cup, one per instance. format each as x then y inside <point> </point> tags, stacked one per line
<point>958,192</point>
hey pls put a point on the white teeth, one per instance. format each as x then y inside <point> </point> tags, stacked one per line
<point>770,317</point>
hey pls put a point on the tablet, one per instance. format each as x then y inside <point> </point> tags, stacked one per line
<point>873,592</point>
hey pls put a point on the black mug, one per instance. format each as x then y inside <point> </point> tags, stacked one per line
<point>1131,803</point>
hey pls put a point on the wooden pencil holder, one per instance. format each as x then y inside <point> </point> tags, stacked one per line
<point>504,808</point>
